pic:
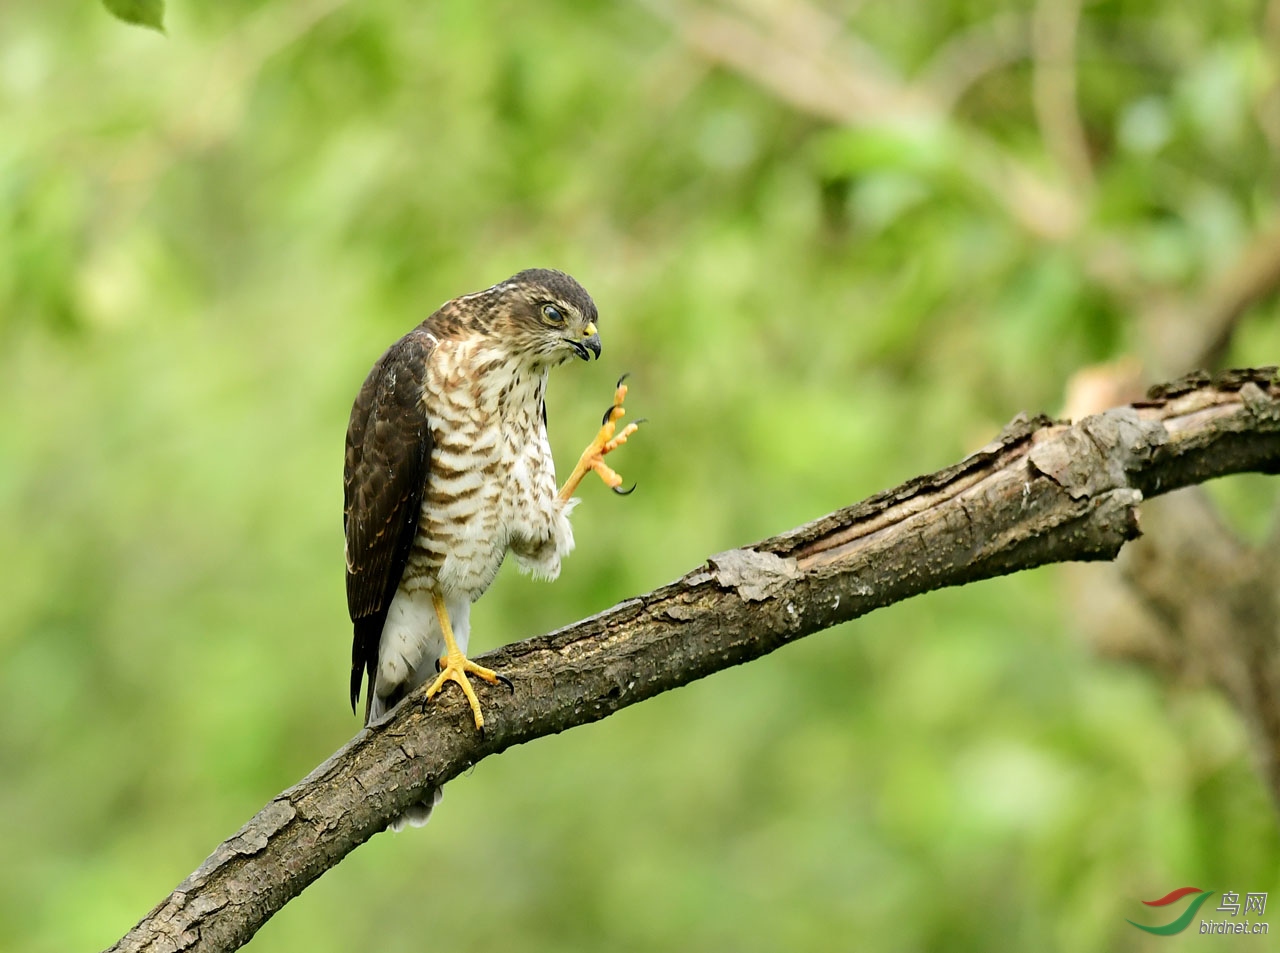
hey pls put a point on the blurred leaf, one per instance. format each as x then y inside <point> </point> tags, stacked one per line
<point>148,13</point>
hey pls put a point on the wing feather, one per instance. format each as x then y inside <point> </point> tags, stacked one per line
<point>387,460</point>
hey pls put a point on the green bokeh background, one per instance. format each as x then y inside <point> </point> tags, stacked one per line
<point>207,237</point>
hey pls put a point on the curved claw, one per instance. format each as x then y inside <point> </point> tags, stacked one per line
<point>621,379</point>
<point>627,492</point>
<point>607,414</point>
<point>642,420</point>
<point>506,681</point>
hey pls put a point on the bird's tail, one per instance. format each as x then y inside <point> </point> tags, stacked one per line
<point>364,658</point>
<point>408,663</point>
<point>418,814</point>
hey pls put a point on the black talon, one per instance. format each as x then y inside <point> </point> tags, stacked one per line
<point>627,492</point>
<point>605,419</point>
<point>506,681</point>
<point>621,379</point>
<point>642,420</point>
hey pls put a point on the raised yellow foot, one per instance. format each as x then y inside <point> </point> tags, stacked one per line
<point>606,441</point>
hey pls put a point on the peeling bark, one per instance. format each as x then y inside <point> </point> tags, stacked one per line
<point>1041,492</point>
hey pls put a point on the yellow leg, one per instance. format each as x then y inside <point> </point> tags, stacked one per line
<point>455,665</point>
<point>606,441</point>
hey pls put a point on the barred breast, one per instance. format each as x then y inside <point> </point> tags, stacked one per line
<point>491,483</point>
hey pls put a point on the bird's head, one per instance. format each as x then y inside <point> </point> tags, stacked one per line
<point>539,313</point>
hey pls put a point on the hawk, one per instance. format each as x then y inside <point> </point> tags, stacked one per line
<point>448,468</point>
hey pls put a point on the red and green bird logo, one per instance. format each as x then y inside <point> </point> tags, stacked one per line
<point>1182,922</point>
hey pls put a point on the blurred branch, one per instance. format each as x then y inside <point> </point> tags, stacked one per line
<point>1182,331</point>
<point>813,63</point>
<point>1214,601</point>
<point>973,53</point>
<point>842,82</point>
<point>1042,492</point>
<point>1266,109</point>
<point>1053,87</point>
<point>812,73</point>
<point>1197,605</point>
<point>1253,278</point>
<point>1192,601</point>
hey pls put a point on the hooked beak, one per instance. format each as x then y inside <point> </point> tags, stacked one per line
<point>590,343</point>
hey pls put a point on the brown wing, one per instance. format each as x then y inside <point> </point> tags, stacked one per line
<point>388,455</point>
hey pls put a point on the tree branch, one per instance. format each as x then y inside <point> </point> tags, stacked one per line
<point>1042,492</point>
<point>1192,601</point>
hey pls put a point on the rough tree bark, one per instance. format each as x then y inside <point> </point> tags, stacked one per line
<point>1042,492</point>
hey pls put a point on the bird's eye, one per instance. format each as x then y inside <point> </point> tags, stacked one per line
<point>552,314</point>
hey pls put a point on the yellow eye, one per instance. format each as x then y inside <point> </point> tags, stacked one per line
<point>552,314</point>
